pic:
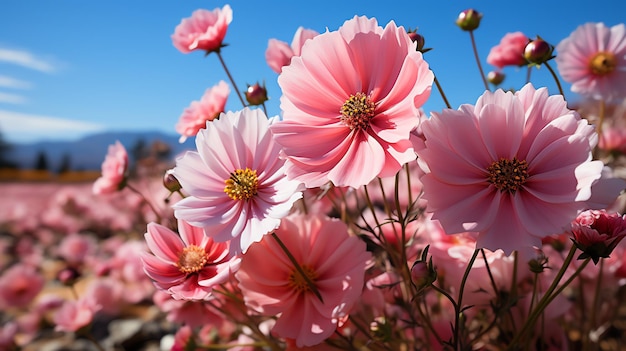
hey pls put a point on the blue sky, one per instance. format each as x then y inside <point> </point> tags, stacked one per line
<point>72,67</point>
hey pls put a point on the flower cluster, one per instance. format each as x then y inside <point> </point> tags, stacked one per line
<point>356,220</point>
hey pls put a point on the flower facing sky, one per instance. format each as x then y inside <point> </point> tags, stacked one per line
<point>187,265</point>
<point>333,261</point>
<point>114,170</point>
<point>198,113</point>
<point>514,167</point>
<point>204,30</point>
<point>593,60</point>
<point>236,182</point>
<point>279,53</point>
<point>348,113</point>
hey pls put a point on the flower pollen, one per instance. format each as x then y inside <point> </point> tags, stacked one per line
<point>192,259</point>
<point>357,111</point>
<point>243,184</point>
<point>508,175</point>
<point>602,63</point>
<point>298,282</point>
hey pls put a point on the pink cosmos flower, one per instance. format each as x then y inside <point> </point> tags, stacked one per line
<point>19,285</point>
<point>198,113</point>
<point>515,167</point>
<point>593,60</point>
<point>279,53</point>
<point>114,171</point>
<point>331,259</point>
<point>74,314</point>
<point>348,114</point>
<point>75,248</point>
<point>510,51</point>
<point>204,30</point>
<point>236,182</point>
<point>596,233</point>
<point>187,266</point>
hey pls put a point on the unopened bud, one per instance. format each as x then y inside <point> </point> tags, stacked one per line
<point>495,77</point>
<point>256,94</point>
<point>170,182</point>
<point>469,19</point>
<point>538,51</point>
<point>418,39</point>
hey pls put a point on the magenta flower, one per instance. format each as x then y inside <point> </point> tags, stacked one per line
<point>510,51</point>
<point>187,266</point>
<point>347,113</point>
<point>331,259</point>
<point>236,182</point>
<point>596,233</point>
<point>593,59</point>
<point>204,30</point>
<point>279,53</point>
<point>114,171</point>
<point>515,167</point>
<point>198,113</point>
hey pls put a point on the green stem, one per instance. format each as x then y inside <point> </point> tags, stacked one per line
<point>143,197</point>
<point>232,81</point>
<point>459,305</point>
<point>480,66</point>
<point>556,78</point>
<point>443,95</point>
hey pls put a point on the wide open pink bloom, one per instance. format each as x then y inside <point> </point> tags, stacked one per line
<point>510,51</point>
<point>236,181</point>
<point>198,113</point>
<point>515,167</point>
<point>593,59</point>
<point>114,170</point>
<point>204,30</point>
<point>347,112</point>
<point>279,53</point>
<point>333,261</point>
<point>187,266</point>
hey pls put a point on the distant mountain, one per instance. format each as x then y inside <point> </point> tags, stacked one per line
<point>89,152</point>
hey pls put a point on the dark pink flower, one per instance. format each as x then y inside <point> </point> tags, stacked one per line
<point>204,30</point>
<point>510,51</point>
<point>114,170</point>
<point>19,285</point>
<point>188,265</point>
<point>196,116</point>
<point>347,113</point>
<point>279,53</point>
<point>596,233</point>
<point>593,60</point>
<point>333,261</point>
<point>514,168</point>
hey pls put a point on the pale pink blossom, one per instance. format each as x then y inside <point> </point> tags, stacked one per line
<point>612,139</point>
<point>332,260</point>
<point>188,265</point>
<point>76,248</point>
<point>74,314</point>
<point>114,170</point>
<point>524,173</point>
<point>208,108</point>
<point>19,285</point>
<point>596,233</point>
<point>510,51</point>
<point>204,30</point>
<point>236,182</point>
<point>348,113</point>
<point>126,267</point>
<point>279,53</point>
<point>593,60</point>
<point>193,313</point>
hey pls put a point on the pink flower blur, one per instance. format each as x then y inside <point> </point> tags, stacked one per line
<point>510,51</point>
<point>348,114</point>
<point>186,266</point>
<point>200,112</point>
<point>236,182</point>
<point>596,233</point>
<point>334,261</point>
<point>114,171</point>
<point>19,285</point>
<point>515,168</point>
<point>74,314</point>
<point>204,30</point>
<point>279,53</point>
<point>593,60</point>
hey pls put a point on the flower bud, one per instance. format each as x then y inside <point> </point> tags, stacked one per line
<point>68,276</point>
<point>495,77</point>
<point>256,94</point>
<point>538,51</point>
<point>170,182</point>
<point>418,39</point>
<point>469,19</point>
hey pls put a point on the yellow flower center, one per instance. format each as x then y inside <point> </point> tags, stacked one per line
<point>243,184</point>
<point>298,282</point>
<point>508,175</point>
<point>357,111</point>
<point>192,259</point>
<point>603,63</point>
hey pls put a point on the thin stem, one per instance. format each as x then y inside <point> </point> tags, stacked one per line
<point>594,306</point>
<point>232,81</point>
<point>443,95</point>
<point>459,305</point>
<point>529,69</point>
<point>480,66</point>
<point>556,78</point>
<point>136,191</point>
